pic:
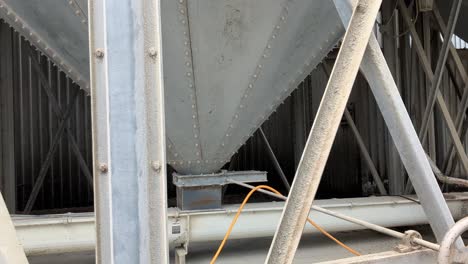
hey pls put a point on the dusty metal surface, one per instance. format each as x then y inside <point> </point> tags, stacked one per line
<point>221,90</point>
<point>11,251</point>
<point>129,140</point>
<point>52,234</point>
<point>323,132</point>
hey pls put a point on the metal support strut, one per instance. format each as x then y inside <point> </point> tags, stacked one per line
<point>128,131</point>
<point>399,124</point>
<point>323,132</point>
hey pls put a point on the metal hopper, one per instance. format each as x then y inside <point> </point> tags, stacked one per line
<point>228,64</point>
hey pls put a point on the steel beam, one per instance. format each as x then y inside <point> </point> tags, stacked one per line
<point>323,132</point>
<point>365,154</point>
<point>403,133</point>
<point>463,105</point>
<point>437,79</point>
<point>128,131</point>
<point>11,251</point>
<point>275,161</point>
<point>50,154</point>
<point>60,115</point>
<point>439,98</point>
<point>55,234</point>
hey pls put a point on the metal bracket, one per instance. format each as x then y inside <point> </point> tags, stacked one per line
<point>407,243</point>
<point>204,191</point>
<point>180,253</point>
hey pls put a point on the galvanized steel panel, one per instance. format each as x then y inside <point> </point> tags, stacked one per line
<point>229,63</point>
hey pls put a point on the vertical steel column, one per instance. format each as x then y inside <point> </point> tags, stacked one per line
<point>323,132</point>
<point>394,167</point>
<point>128,131</point>
<point>379,77</point>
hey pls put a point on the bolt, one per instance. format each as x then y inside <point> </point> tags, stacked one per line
<point>99,53</point>
<point>153,52</point>
<point>103,168</point>
<point>156,166</point>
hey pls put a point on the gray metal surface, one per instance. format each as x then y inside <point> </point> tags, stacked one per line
<point>221,178</point>
<point>128,132</point>
<point>404,135</point>
<point>205,191</point>
<point>242,64</point>
<point>323,132</point>
<point>232,63</point>
<point>448,253</point>
<point>57,28</point>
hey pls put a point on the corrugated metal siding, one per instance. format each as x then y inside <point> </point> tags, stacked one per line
<point>35,125</point>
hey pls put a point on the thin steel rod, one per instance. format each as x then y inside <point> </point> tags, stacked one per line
<point>360,142</point>
<point>273,158</point>
<point>446,179</point>
<point>323,132</point>
<point>437,79</point>
<point>440,100</point>
<point>374,227</point>
<point>48,159</point>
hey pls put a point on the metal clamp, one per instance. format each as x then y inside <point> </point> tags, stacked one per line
<point>407,243</point>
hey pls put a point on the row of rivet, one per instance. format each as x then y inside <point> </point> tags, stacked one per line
<point>266,54</point>
<point>190,162</point>
<point>36,41</point>
<point>182,10</point>
<point>78,12</point>
<point>308,67</point>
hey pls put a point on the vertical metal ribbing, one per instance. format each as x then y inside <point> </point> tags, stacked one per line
<point>128,131</point>
<point>318,146</point>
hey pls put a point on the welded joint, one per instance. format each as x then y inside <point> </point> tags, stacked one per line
<point>407,243</point>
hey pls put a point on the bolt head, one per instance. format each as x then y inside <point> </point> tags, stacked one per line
<point>153,52</point>
<point>156,166</point>
<point>103,168</point>
<point>99,53</point>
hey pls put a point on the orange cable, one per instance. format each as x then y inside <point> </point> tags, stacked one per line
<point>241,207</point>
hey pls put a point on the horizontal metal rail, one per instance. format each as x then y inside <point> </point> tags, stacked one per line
<point>377,228</point>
